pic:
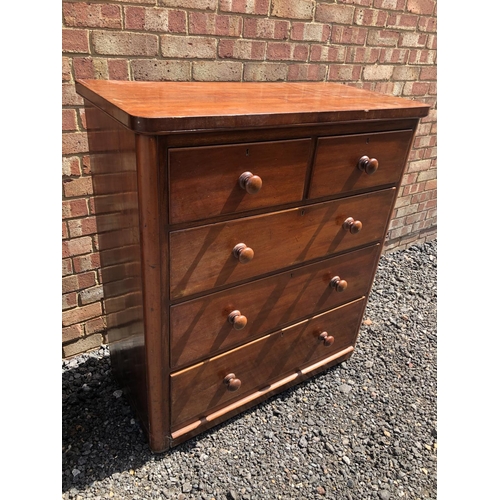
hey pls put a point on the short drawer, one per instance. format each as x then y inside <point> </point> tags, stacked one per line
<point>336,170</point>
<point>208,256</point>
<point>205,181</point>
<point>202,327</point>
<point>201,389</point>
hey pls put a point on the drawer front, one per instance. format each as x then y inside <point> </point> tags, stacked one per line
<point>204,181</point>
<point>200,328</point>
<point>200,389</point>
<point>203,258</point>
<point>336,169</point>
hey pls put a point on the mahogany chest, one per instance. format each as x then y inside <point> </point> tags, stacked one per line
<point>240,226</point>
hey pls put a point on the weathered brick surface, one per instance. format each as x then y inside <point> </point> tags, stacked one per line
<point>388,46</point>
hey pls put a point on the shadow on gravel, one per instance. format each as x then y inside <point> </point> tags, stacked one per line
<point>99,433</point>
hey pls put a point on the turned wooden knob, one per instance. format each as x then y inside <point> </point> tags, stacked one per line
<point>351,225</point>
<point>243,253</point>
<point>337,284</point>
<point>233,383</point>
<point>368,165</point>
<point>327,339</point>
<point>250,183</point>
<point>237,320</point>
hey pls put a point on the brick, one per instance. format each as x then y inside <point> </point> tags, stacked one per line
<point>68,119</point>
<point>86,262</point>
<point>418,166</point>
<point>362,55</point>
<point>422,57</point>
<point>306,72</point>
<point>77,246</point>
<point>69,300</point>
<point>349,35</point>
<point>313,32</point>
<point>406,73</point>
<point>298,9</point>
<point>77,282</point>
<point>74,142</point>
<point>344,72</point>
<point>122,43</point>
<point>428,24</point>
<point>75,40</point>
<point>90,67</point>
<point>413,40</point>
<point>118,69</point>
<point>383,38</point>
<point>282,51</point>
<point>378,72</point>
<point>325,53</point>
<point>395,223</point>
<point>92,15</point>
<point>260,7</point>
<point>189,4</point>
<point>77,187</point>
<point>155,19</point>
<point>255,27</point>
<point>71,166</point>
<point>158,70</point>
<point>242,49</point>
<point>427,175</point>
<point>431,42</point>
<point>389,4</point>
<point>82,227</point>
<point>332,13</point>
<point>412,219</point>
<point>425,7</point>
<point>386,88</point>
<point>264,72</point>
<point>82,345</point>
<point>71,333</point>
<point>421,197</point>
<point>415,88</point>
<point>67,267</point>
<point>370,17</point>
<point>66,69</point>
<point>79,314</point>
<point>65,231</point>
<point>188,46</point>
<point>215,71</point>
<point>69,95</point>
<point>74,208</point>
<point>95,325</point>
<point>90,295</point>
<point>393,56</point>
<point>407,22</point>
<point>431,185</point>
<point>203,23</point>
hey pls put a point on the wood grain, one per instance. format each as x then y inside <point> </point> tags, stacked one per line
<point>200,327</point>
<point>204,180</point>
<point>335,167</point>
<point>162,107</point>
<point>200,389</point>
<point>201,258</point>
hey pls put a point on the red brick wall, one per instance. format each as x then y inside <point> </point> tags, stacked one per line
<point>384,45</point>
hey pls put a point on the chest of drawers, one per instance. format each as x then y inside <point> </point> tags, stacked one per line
<point>240,226</point>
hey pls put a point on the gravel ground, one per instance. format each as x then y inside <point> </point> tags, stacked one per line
<point>365,429</point>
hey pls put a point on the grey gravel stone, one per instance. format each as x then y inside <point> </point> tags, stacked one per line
<point>292,445</point>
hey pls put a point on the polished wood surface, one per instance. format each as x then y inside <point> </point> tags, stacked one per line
<point>240,225</point>
<point>161,107</point>
<point>201,389</point>
<point>336,168</point>
<point>200,327</point>
<point>206,181</point>
<point>202,258</point>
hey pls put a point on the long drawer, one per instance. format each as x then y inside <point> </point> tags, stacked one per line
<point>207,257</point>
<point>205,181</point>
<point>336,170</point>
<point>207,386</point>
<point>205,326</point>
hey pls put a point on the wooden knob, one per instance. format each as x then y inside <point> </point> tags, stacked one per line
<point>351,225</point>
<point>327,339</point>
<point>250,183</point>
<point>237,320</point>
<point>233,383</point>
<point>368,165</point>
<point>337,284</point>
<point>243,253</point>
